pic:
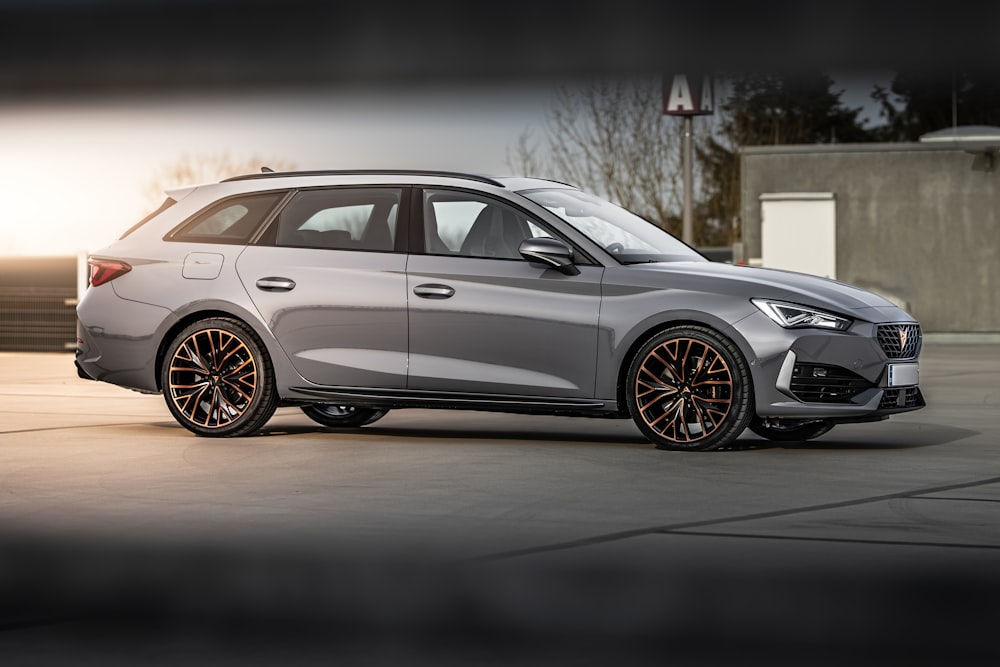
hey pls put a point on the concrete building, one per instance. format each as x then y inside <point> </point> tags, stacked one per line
<point>916,222</point>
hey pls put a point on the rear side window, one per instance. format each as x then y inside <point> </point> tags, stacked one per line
<point>232,221</point>
<point>341,218</point>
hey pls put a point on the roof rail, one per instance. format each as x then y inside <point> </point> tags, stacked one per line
<point>366,172</point>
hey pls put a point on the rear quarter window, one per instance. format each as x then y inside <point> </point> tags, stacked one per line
<point>233,221</point>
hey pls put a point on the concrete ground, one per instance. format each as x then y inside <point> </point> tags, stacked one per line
<point>436,537</point>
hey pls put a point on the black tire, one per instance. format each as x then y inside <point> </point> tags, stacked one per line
<point>218,380</point>
<point>342,416</point>
<point>689,388</point>
<point>790,431</point>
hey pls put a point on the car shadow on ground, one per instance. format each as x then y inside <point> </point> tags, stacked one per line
<point>463,434</point>
<point>897,436</point>
<point>401,433</point>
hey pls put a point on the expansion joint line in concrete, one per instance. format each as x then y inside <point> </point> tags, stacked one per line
<point>690,527</point>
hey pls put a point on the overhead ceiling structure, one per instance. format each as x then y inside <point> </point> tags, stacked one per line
<point>97,46</point>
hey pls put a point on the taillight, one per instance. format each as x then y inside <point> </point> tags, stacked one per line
<point>105,270</point>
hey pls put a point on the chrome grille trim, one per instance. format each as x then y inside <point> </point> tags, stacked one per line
<point>900,341</point>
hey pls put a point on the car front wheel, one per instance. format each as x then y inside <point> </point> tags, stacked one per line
<point>217,379</point>
<point>342,416</point>
<point>689,388</point>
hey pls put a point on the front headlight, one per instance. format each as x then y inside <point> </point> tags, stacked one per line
<point>794,316</point>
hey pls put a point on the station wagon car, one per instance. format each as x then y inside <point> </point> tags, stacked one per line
<point>351,293</point>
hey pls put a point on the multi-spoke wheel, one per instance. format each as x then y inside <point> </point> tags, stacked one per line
<point>689,388</point>
<point>217,379</point>
<point>781,430</point>
<point>342,416</point>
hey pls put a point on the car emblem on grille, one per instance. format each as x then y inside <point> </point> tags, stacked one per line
<point>903,334</point>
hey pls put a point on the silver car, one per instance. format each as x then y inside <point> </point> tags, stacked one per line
<point>352,293</point>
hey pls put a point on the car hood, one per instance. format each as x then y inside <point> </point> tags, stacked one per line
<point>753,282</point>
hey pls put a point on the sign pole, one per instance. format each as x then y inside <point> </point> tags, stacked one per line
<point>687,223</point>
<point>688,97</point>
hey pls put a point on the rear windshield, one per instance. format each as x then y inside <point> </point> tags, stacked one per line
<point>167,203</point>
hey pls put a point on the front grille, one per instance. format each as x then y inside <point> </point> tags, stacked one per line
<point>906,397</point>
<point>900,341</point>
<point>814,383</point>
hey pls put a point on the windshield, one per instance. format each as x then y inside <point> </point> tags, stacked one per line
<point>629,238</point>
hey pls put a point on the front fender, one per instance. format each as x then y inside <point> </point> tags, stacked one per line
<point>620,336</point>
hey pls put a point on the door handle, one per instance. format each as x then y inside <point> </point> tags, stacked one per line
<point>275,284</point>
<point>433,291</point>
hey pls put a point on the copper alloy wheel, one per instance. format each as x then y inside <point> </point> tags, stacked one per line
<point>684,390</point>
<point>212,378</point>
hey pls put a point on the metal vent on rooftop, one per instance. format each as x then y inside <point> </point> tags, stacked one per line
<point>981,141</point>
<point>964,134</point>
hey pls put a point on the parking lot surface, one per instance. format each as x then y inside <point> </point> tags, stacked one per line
<point>445,537</point>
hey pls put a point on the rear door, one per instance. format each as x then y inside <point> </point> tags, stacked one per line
<point>329,279</point>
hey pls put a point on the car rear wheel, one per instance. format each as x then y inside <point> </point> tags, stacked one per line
<point>342,416</point>
<point>689,389</point>
<point>217,379</point>
<point>789,431</point>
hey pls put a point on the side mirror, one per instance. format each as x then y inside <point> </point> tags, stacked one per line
<point>551,252</point>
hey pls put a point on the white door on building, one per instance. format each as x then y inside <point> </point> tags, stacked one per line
<point>799,232</point>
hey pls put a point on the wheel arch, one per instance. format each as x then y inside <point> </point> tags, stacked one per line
<point>648,330</point>
<point>202,311</point>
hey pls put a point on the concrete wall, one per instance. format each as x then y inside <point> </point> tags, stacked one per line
<point>914,222</point>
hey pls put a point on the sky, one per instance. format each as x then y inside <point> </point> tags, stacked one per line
<point>75,173</point>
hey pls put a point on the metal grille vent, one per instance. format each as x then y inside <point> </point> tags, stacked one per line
<point>908,397</point>
<point>826,384</point>
<point>900,341</point>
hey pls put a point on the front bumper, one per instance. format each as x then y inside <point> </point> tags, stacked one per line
<point>843,377</point>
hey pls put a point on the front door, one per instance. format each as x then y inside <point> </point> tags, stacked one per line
<point>483,320</point>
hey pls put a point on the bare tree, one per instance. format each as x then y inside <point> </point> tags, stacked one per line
<point>610,136</point>
<point>207,168</point>
<point>525,160</point>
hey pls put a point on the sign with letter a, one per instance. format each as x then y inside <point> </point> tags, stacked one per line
<point>686,95</point>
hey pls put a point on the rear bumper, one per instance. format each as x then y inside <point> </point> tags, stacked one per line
<point>82,374</point>
<point>118,339</point>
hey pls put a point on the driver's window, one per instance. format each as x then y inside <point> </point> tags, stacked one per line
<point>470,225</point>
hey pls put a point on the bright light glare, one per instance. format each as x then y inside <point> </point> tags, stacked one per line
<point>74,176</point>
